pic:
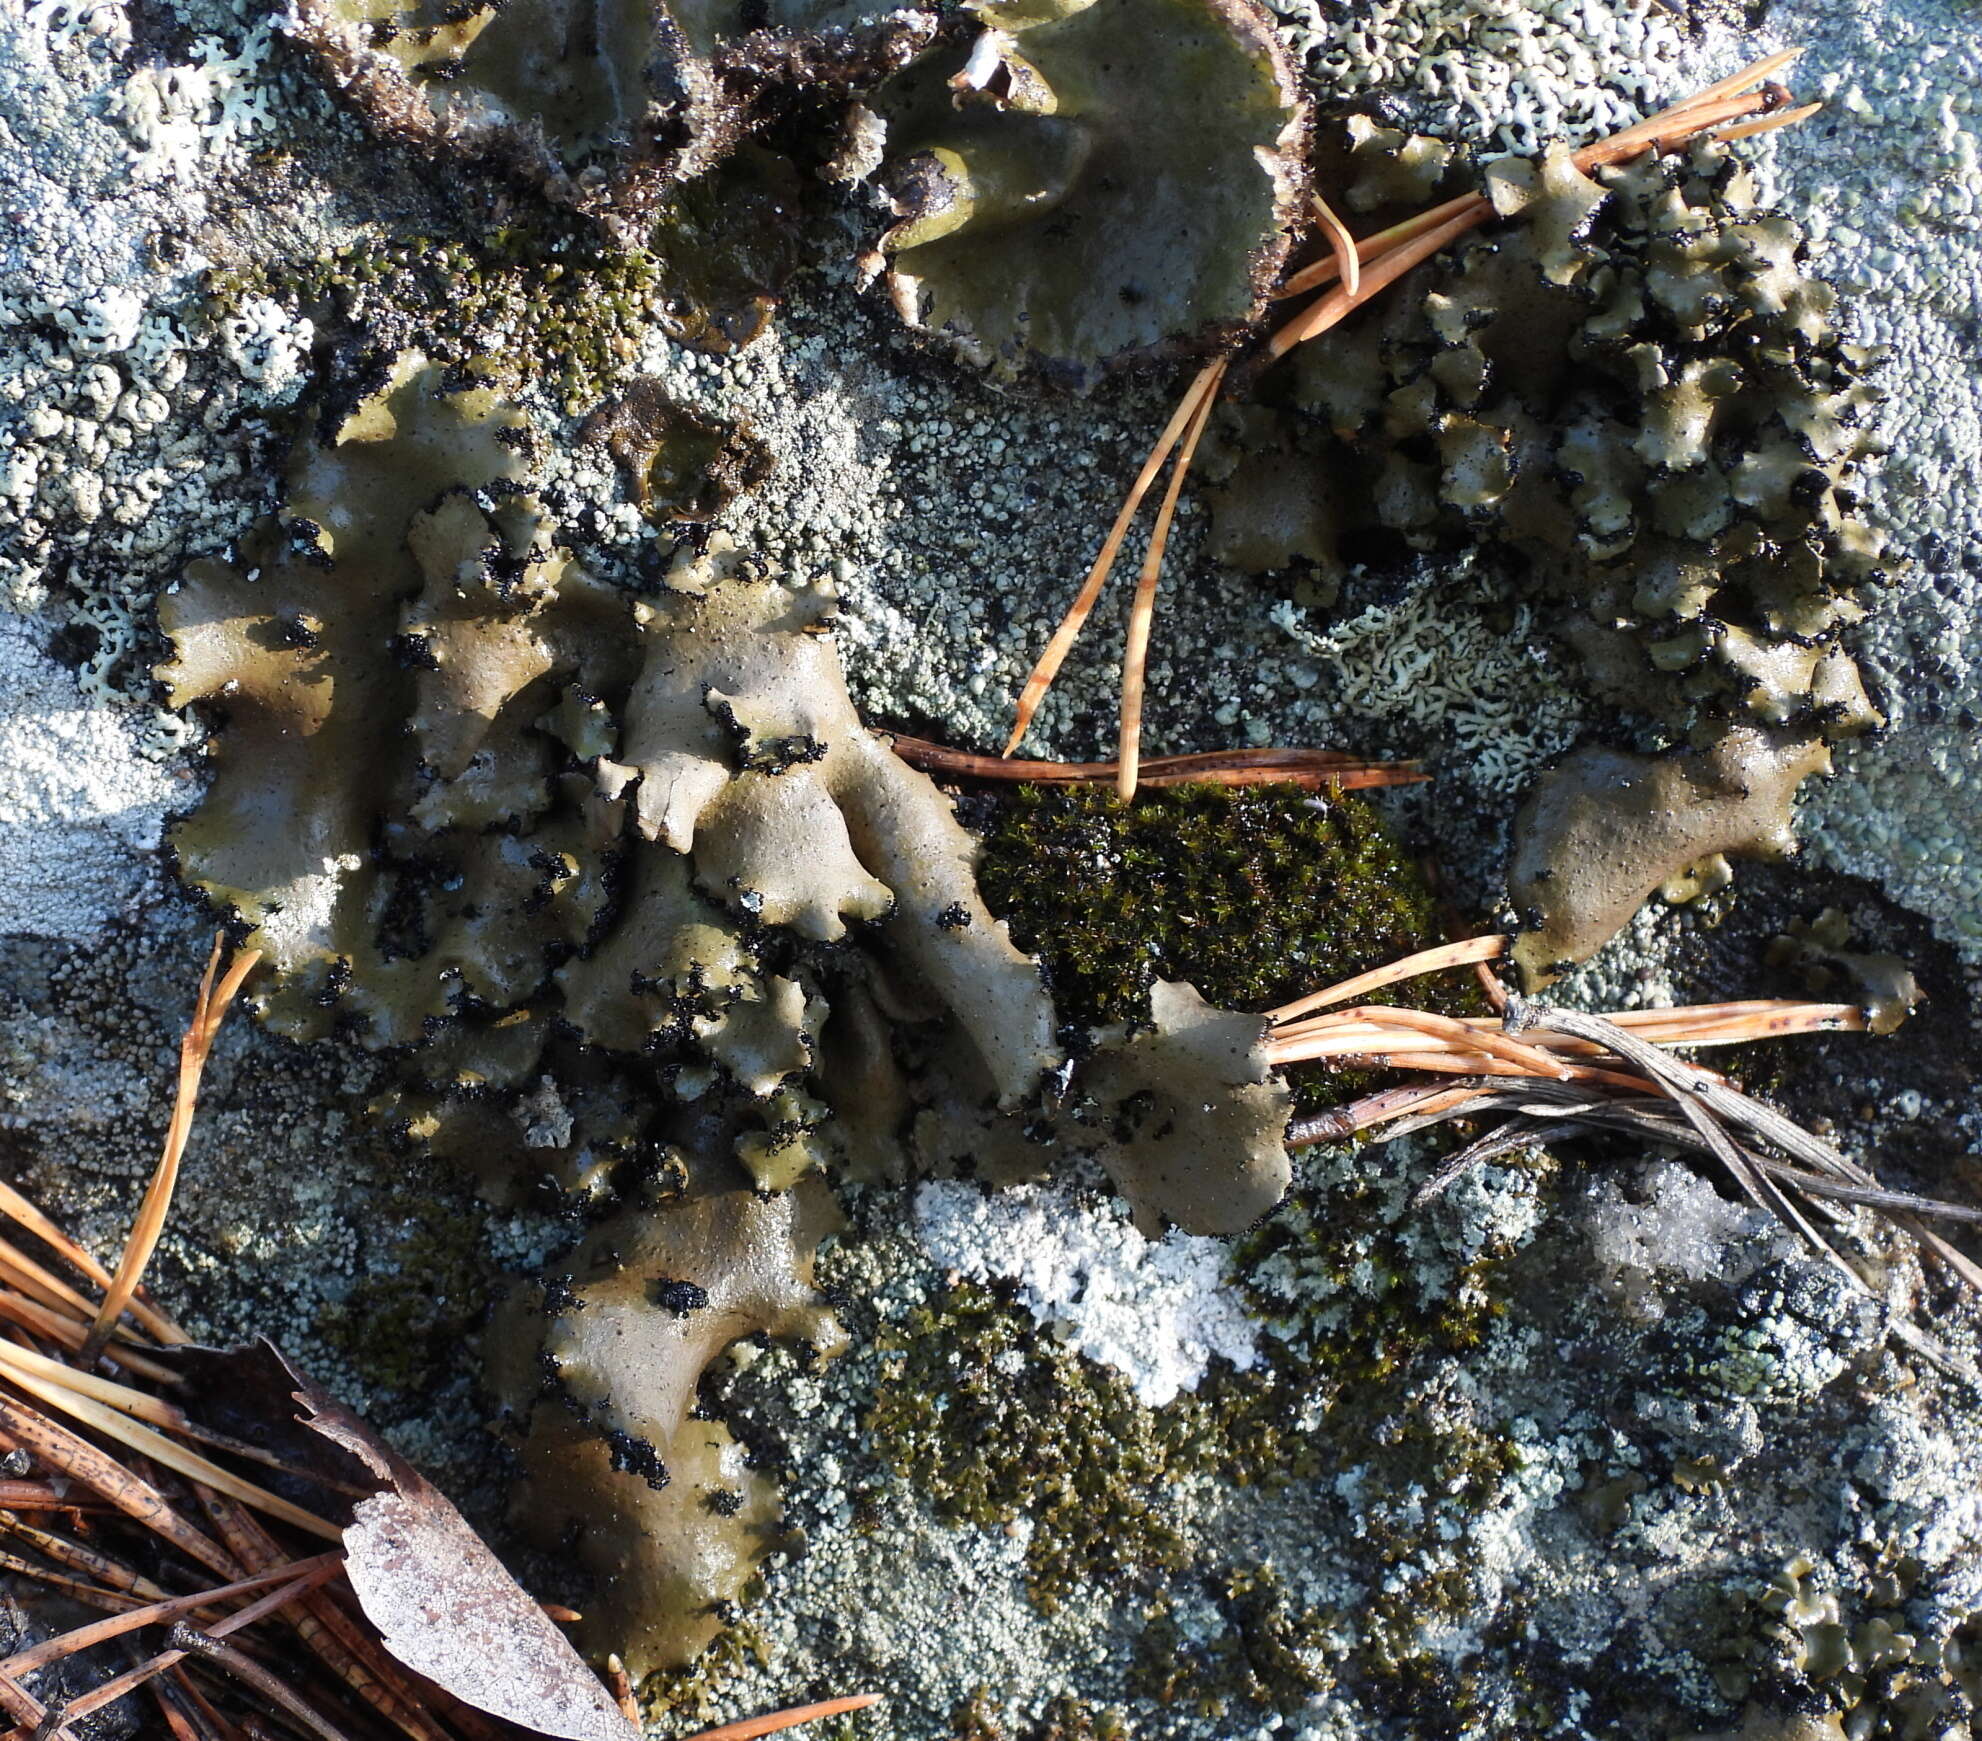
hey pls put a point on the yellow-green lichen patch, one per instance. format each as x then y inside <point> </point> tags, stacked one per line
<point>990,1421</point>
<point>423,1288</point>
<point>1093,182</point>
<point>1877,1662</point>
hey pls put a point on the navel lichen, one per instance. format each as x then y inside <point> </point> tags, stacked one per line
<point>1605,828</point>
<point>1093,182</point>
<point>498,814</point>
<point>661,1508</point>
<point>1631,393</point>
<point>1634,390</point>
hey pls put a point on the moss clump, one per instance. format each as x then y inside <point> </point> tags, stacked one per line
<point>424,1287</point>
<point>1271,1651</point>
<point>680,1697</point>
<point>1064,1719</point>
<point>547,299</point>
<point>1252,894</point>
<point>990,1420</point>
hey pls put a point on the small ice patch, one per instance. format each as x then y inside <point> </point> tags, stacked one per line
<point>1156,1312</point>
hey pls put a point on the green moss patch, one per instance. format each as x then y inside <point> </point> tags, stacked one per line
<point>1252,894</point>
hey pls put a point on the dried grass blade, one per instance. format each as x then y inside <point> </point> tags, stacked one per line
<point>28,1277</point>
<point>1769,123</point>
<point>1320,272</point>
<point>79,1589</point>
<point>51,1650</point>
<point>159,1413</point>
<point>1142,611</point>
<point>1338,1123</point>
<point>1754,73</point>
<point>188,1640</point>
<point>1379,274</point>
<point>1348,264</point>
<point>1308,768</point>
<point>1061,643</point>
<point>194,1049</point>
<point>1486,1040</point>
<point>78,1557</point>
<point>71,1333</point>
<point>27,1711</point>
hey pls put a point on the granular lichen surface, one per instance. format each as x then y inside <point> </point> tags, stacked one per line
<point>1588,1449</point>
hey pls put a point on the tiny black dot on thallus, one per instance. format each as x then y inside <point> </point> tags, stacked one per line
<point>954,917</point>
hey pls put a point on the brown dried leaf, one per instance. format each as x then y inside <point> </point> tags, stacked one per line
<point>441,1601</point>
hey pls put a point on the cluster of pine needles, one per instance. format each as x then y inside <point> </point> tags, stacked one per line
<point>114,1497</point>
<point>222,1602</point>
<point>1541,1074</point>
<point>1352,272</point>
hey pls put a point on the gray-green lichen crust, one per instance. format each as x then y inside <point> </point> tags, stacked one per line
<point>633,899</point>
<point>1633,388</point>
<point>1094,182</point>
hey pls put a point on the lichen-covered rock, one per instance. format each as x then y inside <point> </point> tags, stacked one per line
<point>1604,828</point>
<point>1194,1115</point>
<point>1817,951</point>
<point>661,1510</point>
<point>605,103</point>
<point>679,465</point>
<point>1095,182</point>
<point>579,855</point>
<point>1633,389</point>
<point>519,826</point>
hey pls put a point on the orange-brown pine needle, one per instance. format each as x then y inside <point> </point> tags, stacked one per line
<point>150,1223</point>
<point>1461,954</point>
<point>1769,123</point>
<point>1379,274</point>
<point>750,1728</point>
<point>1320,272</point>
<point>1348,263</point>
<point>1063,637</point>
<point>1308,768</point>
<point>49,1650</point>
<point>1142,611</point>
